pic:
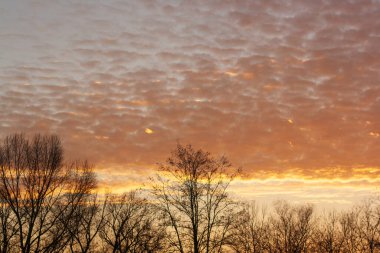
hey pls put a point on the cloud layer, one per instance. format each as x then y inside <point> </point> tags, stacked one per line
<point>280,87</point>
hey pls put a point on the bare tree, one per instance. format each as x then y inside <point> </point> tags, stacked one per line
<point>192,197</point>
<point>369,226</point>
<point>328,236</point>
<point>7,230</point>
<point>130,225</point>
<point>250,230</point>
<point>89,219</point>
<point>291,226</point>
<point>33,183</point>
<point>349,223</point>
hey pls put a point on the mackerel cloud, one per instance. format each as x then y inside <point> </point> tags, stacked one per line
<point>280,87</point>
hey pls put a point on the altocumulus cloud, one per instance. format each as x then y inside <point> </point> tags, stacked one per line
<point>288,87</point>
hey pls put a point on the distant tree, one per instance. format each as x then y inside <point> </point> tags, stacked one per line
<point>250,230</point>
<point>192,197</point>
<point>39,191</point>
<point>130,225</point>
<point>328,236</point>
<point>291,227</point>
<point>88,221</point>
<point>369,226</point>
<point>349,223</point>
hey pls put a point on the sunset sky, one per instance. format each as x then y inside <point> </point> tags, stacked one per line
<point>288,90</point>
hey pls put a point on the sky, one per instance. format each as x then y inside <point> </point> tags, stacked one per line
<point>287,90</point>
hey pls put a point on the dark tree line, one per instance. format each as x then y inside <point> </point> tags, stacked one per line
<point>50,205</point>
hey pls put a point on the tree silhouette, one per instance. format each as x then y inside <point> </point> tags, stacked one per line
<point>33,185</point>
<point>250,230</point>
<point>49,205</point>
<point>193,200</point>
<point>130,225</point>
<point>291,227</point>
